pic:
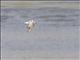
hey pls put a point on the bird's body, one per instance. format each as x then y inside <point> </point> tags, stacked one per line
<point>30,25</point>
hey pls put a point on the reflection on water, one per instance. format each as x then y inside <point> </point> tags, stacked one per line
<point>55,36</point>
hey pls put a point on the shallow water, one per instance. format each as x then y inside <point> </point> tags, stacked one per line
<point>55,35</point>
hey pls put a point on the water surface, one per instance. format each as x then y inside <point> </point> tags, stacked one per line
<point>56,36</point>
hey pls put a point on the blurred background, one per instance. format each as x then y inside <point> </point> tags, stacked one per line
<point>56,36</point>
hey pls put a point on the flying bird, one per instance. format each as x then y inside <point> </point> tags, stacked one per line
<point>30,24</point>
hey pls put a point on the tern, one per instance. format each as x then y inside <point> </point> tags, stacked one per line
<point>30,24</point>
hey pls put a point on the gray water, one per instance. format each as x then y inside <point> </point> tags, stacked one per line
<point>56,35</point>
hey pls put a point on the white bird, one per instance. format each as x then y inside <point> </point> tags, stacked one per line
<point>30,24</point>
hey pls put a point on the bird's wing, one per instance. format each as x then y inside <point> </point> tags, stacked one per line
<point>26,22</point>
